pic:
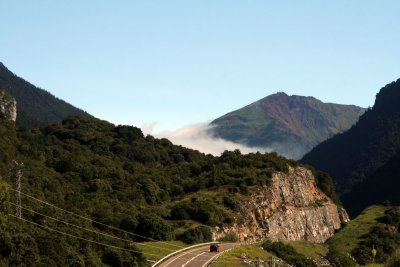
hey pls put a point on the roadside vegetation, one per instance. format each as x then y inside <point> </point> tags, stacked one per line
<point>288,254</point>
<point>236,256</point>
<point>157,250</point>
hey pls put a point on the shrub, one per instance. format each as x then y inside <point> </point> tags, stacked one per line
<point>155,227</point>
<point>288,254</point>
<point>231,203</point>
<point>201,210</point>
<point>338,259</point>
<point>394,260</point>
<point>229,237</point>
<point>199,234</point>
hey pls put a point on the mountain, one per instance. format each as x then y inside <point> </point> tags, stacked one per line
<point>380,187</point>
<point>367,152</point>
<point>289,125</point>
<point>120,178</point>
<point>36,107</point>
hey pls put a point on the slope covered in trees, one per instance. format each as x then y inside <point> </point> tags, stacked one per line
<point>35,106</point>
<point>357,154</point>
<point>289,125</point>
<point>381,187</point>
<point>116,176</point>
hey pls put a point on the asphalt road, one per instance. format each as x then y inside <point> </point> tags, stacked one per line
<point>197,257</point>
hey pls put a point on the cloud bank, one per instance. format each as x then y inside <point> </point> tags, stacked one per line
<point>199,137</point>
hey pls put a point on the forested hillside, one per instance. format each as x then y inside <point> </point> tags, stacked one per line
<point>381,187</point>
<point>35,106</point>
<point>117,176</point>
<point>289,125</point>
<point>362,153</point>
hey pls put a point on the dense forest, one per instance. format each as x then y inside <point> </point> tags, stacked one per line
<point>35,106</point>
<point>382,187</point>
<point>116,176</point>
<point>358,154</point>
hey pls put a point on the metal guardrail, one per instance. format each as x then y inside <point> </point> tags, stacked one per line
<point>181,250</point>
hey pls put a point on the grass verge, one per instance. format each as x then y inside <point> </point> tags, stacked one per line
<point>232,258</point>
<point>157,250</point>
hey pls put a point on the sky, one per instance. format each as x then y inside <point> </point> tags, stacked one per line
<point>163,65</point>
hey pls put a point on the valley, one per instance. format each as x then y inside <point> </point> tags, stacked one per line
<point>80,191</point>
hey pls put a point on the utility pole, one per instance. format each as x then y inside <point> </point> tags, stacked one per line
<point>17,175</point>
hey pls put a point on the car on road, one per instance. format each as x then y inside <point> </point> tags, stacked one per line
<point>214,248</point>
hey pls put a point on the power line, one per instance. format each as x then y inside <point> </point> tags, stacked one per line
<point>81,238</point>
<point>93,221</point>
<point>93,231</point>
<point>103,244</point>
<point>17,174</point>
<point>86,229</point>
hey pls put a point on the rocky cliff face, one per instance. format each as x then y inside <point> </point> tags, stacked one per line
<point>8,107</point>
<point>292,207</point>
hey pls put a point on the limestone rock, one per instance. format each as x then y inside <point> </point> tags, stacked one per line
<point>8,107</point>
<point>292,207</point>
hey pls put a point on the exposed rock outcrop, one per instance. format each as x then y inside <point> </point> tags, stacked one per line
<point>292,207</point>
<point>8,107</point>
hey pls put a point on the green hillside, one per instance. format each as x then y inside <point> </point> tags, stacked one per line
<point>119,177</point>
<point>347,239</point>
<point>376,226</point>
<point>35,106</point>
<point>289,125</point>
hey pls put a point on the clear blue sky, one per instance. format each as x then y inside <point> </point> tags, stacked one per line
<point>181,62</point>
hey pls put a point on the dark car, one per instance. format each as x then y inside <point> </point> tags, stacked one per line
<point>214,248</point>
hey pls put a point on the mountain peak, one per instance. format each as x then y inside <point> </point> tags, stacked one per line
<point>289,125</point>
<point>282,96</point>
<point>277,95</point>
<point>388,97</point>
<point>280,93</point>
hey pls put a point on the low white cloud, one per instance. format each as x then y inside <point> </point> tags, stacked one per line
<point>199,137</point>
<point>148,128</point>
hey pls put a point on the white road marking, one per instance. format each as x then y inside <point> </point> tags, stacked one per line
<point>183,254</point>
<point>219,254</point>
<point>193,259</point>
<point>210,260</point>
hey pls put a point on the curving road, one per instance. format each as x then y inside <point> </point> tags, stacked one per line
<point>197,257</point>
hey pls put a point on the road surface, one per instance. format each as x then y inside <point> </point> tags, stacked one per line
<point>196,257</point>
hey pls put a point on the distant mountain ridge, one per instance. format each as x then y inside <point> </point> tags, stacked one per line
<point>35,106</point>
<point>364,161</point>
<point>289,125</point>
